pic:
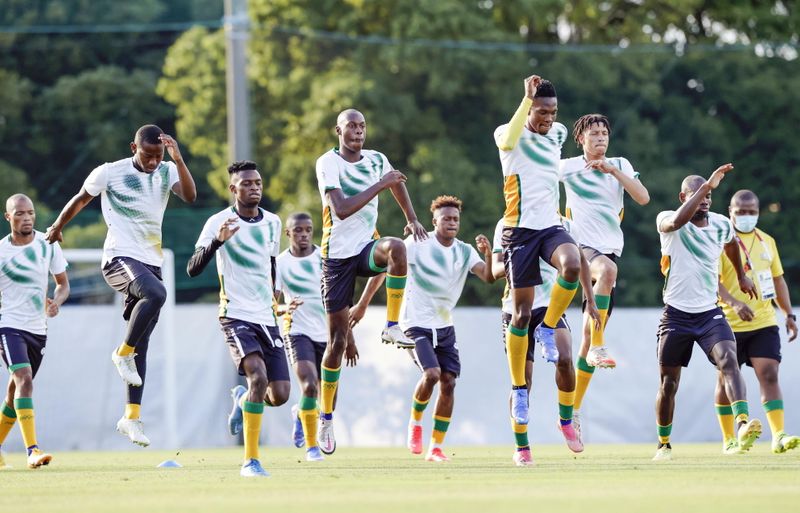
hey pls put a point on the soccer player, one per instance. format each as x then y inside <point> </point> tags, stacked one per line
<point>565,371</point>
<point>596,186</point>
<point>758,342</point>
<point>305,328</point>
<point>692,240</point>
<point>530,151</point>
<point>133,195</point>
<point>350,179</point>
<point>26,259</point>
<point>246,242</point>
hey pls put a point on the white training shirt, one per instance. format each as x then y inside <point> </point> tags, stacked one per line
<point>436,276</point>
<point>595,202</point>
<point>345,238</point>
<point>133,204</point>
<point>301,277</point>
<point>24,273</point>
<point>541,293</point>
<point>690,262</point>
<point>244,267</point>
<point>530,172</point>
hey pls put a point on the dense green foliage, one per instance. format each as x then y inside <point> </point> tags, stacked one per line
<point>434,78</point>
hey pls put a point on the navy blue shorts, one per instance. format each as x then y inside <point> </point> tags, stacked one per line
<point>339,277</point>
<point>244,338</point>
<point>436,348</point>
<point>302,348</point>
<point>761,343</point>
<point>678,331</point>
<point>21,348</point>
<point>537,317</point>
<point>522,249</point>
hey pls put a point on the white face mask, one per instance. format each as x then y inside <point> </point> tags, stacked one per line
<point>745,224</point>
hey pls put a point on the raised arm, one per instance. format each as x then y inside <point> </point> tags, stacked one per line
<point>745,283</point>
<point>685,212</point>
<point>483,270</point>
<point>413,226</point>
<point>184,188</point>
<point>70,210</point>
<point>508,139</point>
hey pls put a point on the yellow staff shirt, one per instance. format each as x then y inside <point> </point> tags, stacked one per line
<point>763,256</point>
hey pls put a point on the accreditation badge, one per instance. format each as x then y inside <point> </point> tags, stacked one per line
<point>766,285</point>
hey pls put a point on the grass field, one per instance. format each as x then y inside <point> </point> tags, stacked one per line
<point>606,478</point>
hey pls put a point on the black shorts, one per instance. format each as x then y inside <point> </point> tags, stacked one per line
<point>436,348</point>
<point>590,254</point>
<point>244,338</point>
<point>120,272</point>
<point>761,343</point>
<point>678,331</point>
<point>21,348</point>
<point>537,317</point>
<point>339,277</point>
<point>302,348</point>
<point>522,249</point>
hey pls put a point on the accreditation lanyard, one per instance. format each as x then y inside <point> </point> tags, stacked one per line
<point>748,266</point>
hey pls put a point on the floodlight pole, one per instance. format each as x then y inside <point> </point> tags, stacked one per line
<point>237,34</point>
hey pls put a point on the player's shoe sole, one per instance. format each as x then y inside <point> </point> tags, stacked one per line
<point>37,459</point>
<point>327,440</point>
<point>599,357</point>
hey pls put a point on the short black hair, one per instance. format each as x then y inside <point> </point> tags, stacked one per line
<point>148,134</point>
<point>546,89</point>
<point>587,120</point>
<point>298,216</point>
<point>242,165</point>
<point>744,195</point>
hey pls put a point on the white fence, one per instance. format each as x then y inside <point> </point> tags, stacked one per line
<point>79,397</point>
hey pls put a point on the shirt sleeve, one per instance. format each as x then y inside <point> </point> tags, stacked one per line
<point>727,236</point>
<point>387,166</point>
<point>497,241</point>
<point>173,174</point>
<point>661,217</point>
<point>327,175</point>
<point>278,280</point>
<point>97,181</point>
<point>473,257</point>
<point>776,267</point>
<point>208,234</point>
<point>276,250</point>
<point>58,264</point>
<point>627,169</point>
<point>411,252</point>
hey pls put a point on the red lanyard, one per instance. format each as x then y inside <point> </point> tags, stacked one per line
<point>748,265</point>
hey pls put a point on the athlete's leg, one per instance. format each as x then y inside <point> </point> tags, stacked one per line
<point>151,296</point>
<point>771,397</point>
<point>338,326</point>
<point>442,415</point>
<point>724,414</point>
<point>604,275</point>
<point>665,401</point>
<point>567,259</point>
<point>255,371</point>
<point>724,355</point>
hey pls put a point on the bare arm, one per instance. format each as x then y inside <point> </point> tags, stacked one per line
<point>373,284</point>
<point>498,267</point>
<point>685,212</point>
<point>785,304</point>
<point>483,270</point>
<point>69,211</point>
<point>344,206</point>
<point>741,308</point>
<point>60,294</point>
<point>413,226</point>
<point>184,188</point>
<point>745,283</point>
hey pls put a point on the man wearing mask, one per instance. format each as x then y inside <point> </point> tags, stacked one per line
<point>754,322</point>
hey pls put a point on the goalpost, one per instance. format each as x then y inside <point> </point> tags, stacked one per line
<point>90,288</point>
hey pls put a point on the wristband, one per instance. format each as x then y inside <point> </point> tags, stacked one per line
<point>792,317</point>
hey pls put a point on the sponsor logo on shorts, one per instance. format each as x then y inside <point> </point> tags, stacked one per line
<point>717,317</point>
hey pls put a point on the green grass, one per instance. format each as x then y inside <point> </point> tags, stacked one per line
<point>606,478</point>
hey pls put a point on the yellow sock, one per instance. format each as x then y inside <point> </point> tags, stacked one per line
<point>560,298</point>
<point>582,378</point>
<point>309,414</point>
<point>132,411</point>
<point>8,417</point>
<point>664,433</point>
<point>395,288</point>
<point>520,434</point>
<point>329,381</point>
<point>124,349</point>
<point>440,425</point>
<point>516,352</point>
<point>27,424</point>
<point>725,418</point>
<point>566,398</point>
<point>774,411</point>
<point>603,303</point>
<point>252,412</point>
<point>417,409</point>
